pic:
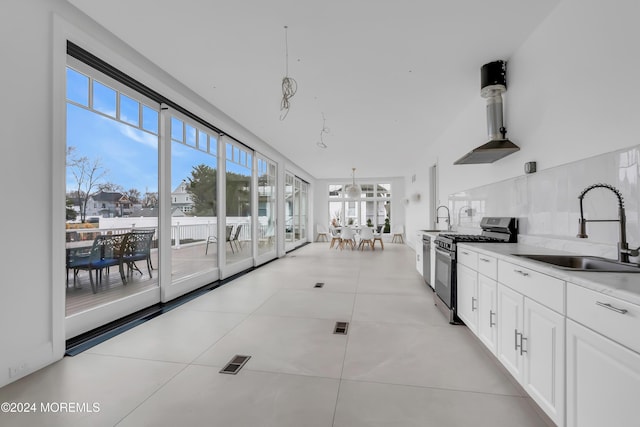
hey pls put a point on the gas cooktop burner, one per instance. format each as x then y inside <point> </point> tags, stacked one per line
<point>458,238</point>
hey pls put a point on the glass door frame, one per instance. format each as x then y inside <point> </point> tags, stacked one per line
<point>227,270</point>
<point>169,288</point>
<point>92,318</point>
<point>296,226</point>
<point>272,254</point>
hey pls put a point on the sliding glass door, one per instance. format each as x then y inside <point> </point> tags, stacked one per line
<point>159,202</point>
<point>193,204</point>
<point>112,199</point>
<point>239,233</point>
<point>267,209</point>
<point>296,195</point>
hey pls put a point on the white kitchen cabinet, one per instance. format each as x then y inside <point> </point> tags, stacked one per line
<point>467,297</point>
<point>510,317</point>
<point>419,264</point>
<point>603,359</point>
<point>487,312</point>
<point>542,344</point>
<point>530,346</point>
<point>603,379</point>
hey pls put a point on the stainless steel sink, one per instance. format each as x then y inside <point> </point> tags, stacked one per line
<point>583,263</point>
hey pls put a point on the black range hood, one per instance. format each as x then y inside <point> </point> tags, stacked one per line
<point>493,84</point>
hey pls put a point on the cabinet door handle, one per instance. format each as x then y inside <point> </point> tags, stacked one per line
<point>465,253</point>
<point>516,339</point>
<point>522,340</point>
<point>473,303</point>
<point>491,322</point>
<point>484,260</point>
<point>523,273</point>
<point>610,307</point>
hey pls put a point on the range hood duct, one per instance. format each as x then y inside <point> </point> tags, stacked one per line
<point>493,84</point>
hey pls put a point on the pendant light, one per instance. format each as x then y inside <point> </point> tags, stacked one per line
<point>353,191</point>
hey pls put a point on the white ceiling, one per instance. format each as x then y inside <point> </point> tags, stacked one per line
<point>387,75</point>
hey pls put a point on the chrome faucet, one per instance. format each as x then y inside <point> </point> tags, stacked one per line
<point>623,247</point>
<point>448,217</point>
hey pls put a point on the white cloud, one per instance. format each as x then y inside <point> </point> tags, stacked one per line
<point>144,138</point>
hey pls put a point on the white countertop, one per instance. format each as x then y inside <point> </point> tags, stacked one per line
<point>625,286</point>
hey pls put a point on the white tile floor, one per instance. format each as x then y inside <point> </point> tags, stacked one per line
<point>401,364</point>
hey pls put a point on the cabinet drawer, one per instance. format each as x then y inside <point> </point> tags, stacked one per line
<point>468,258</point>
<point>612,317</point>
<point>488,266</point>
<point>539,287</point>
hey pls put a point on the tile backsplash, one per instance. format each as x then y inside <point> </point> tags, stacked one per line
<point>548,208</point>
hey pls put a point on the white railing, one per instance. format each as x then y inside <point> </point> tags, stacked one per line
<point>183,229</point>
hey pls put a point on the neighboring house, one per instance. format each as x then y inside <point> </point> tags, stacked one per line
<point>181,199</point>
<point>108,204</point>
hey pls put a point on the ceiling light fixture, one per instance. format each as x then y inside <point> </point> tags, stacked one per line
<point>353,190</point>
<point>324,130</point>
<point>289,85</point>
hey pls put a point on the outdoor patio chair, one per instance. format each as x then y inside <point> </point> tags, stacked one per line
<point>210,239</point>
<point>236,238</point>
<point>136,246</point>
<point>229,237</point>
<point>105,253</point>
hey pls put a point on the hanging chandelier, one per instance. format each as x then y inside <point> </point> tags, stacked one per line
<point>353,190</point>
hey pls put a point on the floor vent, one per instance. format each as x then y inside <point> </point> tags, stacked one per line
<point>235,365</point>
<point>341,328</point>
<point>318,285</point>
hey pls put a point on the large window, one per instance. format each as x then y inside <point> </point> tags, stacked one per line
<point>144,195</point>
<point>372,208</point>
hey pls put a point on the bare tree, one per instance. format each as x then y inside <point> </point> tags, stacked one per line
<point>88,174</point>
<point>150,200</point>
<point>110,187</point>
<point>133,195</point>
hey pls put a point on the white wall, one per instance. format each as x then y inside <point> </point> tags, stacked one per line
<point>33,50</point>
<point>573,91</point>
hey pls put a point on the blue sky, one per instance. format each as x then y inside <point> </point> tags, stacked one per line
<point>129,155</point>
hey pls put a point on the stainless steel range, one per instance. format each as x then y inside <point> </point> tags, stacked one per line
<point>494,230</point>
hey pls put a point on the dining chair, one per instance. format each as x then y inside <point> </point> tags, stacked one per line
<point>347,236</point>
<point>323,234</point>
<point>398,234</point>
<point>105,253</point>
<point>335,237</point>
<point>136,246</point>
<point>377,237</point>
<point>366,238</point>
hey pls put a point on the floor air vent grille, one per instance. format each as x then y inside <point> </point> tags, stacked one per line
<point>341,328</point>
<point>318,285</point>
<point>235,364</point>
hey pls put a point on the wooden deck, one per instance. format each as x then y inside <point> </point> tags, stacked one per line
<point>185,261</point>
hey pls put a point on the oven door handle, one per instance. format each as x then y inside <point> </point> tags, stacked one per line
<point>447,254</point>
